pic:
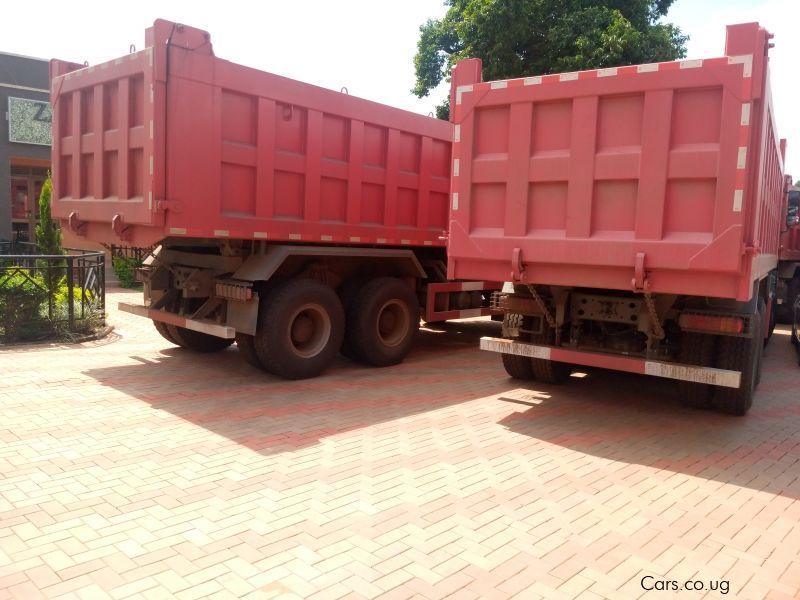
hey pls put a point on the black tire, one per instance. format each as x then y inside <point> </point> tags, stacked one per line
<point>382,322</point>
<point>785,311</point>
<point>762,319</point>
<point>549,371</point>
<point>739,354</point>
<point>197,341</point>
<point>247,349</point>
<point>163,330</point>
<point>300,329</point>
<point>518,367</point>
<point>348,292</point>
<point>696,349</point>
<point>773,320</point>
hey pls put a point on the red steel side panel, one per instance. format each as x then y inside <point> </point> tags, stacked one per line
<point>572,179</point>
<point>239,153</point>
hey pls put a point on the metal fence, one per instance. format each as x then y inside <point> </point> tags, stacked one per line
<point>46,296</point>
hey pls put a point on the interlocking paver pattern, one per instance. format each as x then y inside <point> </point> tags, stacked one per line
<point>133,469</point>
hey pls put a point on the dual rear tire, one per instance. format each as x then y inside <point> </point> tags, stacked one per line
<point>190,339</point>
<point>303,324</point>
<point>525,368</point>
<point>725,352</point>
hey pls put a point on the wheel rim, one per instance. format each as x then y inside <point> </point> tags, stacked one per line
<point>309,330</point>
<point>393,322</point>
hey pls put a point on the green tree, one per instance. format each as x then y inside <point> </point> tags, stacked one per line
<point>514,38</point>
<point>48,233</point>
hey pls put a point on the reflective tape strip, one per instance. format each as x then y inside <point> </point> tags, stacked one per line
<point>743,59</point>
<point>532,80</point>
<point>691,64</point>
<point>177,230</point>
<point>499,85</point>
<point>567,76</point>
<point>737,200</point>
<point>746,113</point>
<point>221,232</point>
<point>455,200</point>
<point>326,238</point>
<point>295,236</point>
<point>462,89</point>
<point>741,160</point>
<point>355,238</point>
<point>457,133</point>
<point>262,235</point>
<point>648,68</point>
<point>380,241</point>
<point>455,167</point>
<point>512,347</point>
<point>712,376</point>
<point>607,72</point>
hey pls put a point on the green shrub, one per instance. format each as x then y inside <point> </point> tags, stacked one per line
<point>22,297</point>
<point>48,233</point>
<point>125,269</point>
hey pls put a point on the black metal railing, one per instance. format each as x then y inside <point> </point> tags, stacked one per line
<point>133,252</point>
<point>46,296</point>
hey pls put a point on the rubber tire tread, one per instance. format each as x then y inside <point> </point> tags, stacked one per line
<point>762,313</point>
<point>247,349</point>
<point>348,292</point>
<point>549,371</point>
<point>785,312</point>
<point>696,349</point>
<point>198,341</point>
<point>739,354</point>
<point>272,349</point>
<point>518,367</point>
<point>163,330</point>
<point>360,334</point>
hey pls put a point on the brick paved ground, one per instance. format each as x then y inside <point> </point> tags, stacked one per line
<point>132,469</point>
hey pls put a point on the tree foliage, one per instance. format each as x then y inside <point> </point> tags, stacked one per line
<point>48,233</point>
<point>514,38</point>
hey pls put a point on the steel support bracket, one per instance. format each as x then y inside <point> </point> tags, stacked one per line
<point>517,268</point>
<point>119,228</point>
<point>75,224</point>
<point>639,282</point>
<point>173,205</point>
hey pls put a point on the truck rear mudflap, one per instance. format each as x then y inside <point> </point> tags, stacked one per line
<point>630,364</point>
<point>201,325</point>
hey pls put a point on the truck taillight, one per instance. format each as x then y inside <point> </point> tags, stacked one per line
<point>711,323</point>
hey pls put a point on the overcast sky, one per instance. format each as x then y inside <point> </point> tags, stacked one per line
<point>365,45</point>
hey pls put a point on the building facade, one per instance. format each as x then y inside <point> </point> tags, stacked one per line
<point>25,140</point>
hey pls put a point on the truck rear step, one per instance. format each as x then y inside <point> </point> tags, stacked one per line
<point>201,325</point>
<point>630,364</point>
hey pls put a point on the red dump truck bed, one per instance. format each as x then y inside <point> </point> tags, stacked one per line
<point>666,177</point>
<point>172,141</point>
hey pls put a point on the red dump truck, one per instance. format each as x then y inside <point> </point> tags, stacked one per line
<point>788,276</point>
<point>637,211</point>
<point>294,220</point>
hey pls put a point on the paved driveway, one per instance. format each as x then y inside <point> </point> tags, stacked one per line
<point>133,469</point>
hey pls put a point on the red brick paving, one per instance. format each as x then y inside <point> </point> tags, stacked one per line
<point>133,469</point>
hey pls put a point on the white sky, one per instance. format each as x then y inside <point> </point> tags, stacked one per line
<point>365,45</point>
